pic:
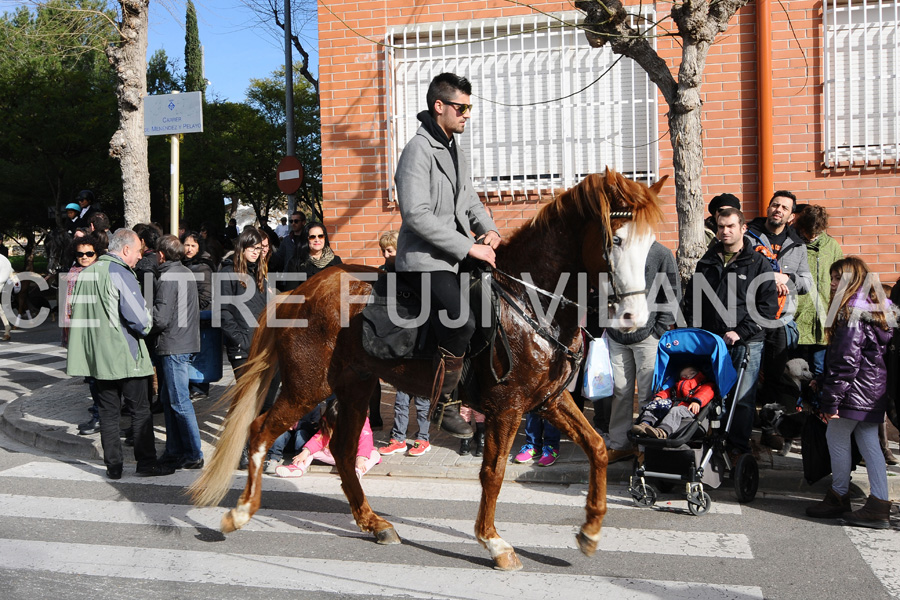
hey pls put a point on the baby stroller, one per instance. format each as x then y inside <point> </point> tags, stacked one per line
<point>695,454</point>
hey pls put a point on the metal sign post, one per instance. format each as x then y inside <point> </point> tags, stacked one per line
<point>172,115</point>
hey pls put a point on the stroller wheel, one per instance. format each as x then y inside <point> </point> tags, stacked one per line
<point>642,494</point>
<point>746,478</point>
<point>698,502</point>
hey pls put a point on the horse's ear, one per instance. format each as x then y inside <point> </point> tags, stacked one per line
<point>656,187</point>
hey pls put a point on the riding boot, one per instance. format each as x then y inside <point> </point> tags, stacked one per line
<point>889,457</point>
<point>445,410</point>
<point>465,446</point>
<point>479,439</point>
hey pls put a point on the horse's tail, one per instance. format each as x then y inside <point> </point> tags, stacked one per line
<point>246,398</point>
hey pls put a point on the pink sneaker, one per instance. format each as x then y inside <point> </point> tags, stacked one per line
<point>290,470</point>
<point>549,457</point>
<point>393,448</point>
<point>419,448</point>
<point>526,454</point>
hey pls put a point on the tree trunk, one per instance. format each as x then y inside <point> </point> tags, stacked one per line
<point>687,157</point>
<point>129,144</point>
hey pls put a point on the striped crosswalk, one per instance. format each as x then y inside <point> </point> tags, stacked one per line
<point>56,503</point>
<point>26,367</point>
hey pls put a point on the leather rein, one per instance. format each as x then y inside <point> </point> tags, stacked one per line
<point>573,356</point>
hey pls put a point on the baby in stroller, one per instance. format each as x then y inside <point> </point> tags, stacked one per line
<point>661,417</point>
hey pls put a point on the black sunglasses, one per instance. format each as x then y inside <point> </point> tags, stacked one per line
<point>89,254</point>
<point>296,221</point>
<point>317,236</point>
<point>462,108</point>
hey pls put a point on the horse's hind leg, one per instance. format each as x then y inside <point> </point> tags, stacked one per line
<point>564,414</point>
<point>500,431</point>
<point>264,430</point>
<point>353,401</point>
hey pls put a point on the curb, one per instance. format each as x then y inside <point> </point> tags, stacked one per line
<point>50,438</point>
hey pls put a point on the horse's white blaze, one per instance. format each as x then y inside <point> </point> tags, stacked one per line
<point>497,546</point>
<point>628,259</point>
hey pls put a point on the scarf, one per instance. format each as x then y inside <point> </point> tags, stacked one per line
<point>322,261</point>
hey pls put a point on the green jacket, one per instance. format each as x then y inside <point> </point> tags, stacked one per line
<point>812,308</point>
<point>109,322</point>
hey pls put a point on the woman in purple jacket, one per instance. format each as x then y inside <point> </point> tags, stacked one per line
<point>853,398</point>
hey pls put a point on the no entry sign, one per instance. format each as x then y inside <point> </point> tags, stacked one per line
<point>290,174</point>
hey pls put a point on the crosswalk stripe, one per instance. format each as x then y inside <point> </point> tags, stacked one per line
<point>33,348</point>
<point>573,495</point>
<point>880,549</point>
<point>32,358</point>
<point>339,577</point>
<point>50,370</point>
<point>417,529</point>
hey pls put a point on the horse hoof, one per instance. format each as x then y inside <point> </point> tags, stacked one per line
<point>387,536</point>
<point>227,525</point>
<point>587,546</point>
<point>508,561</point>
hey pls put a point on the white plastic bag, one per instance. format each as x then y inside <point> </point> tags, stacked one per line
<point>598,374</point>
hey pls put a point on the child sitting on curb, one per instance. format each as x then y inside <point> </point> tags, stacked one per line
<point>317,447</point>
<point>660,418</point>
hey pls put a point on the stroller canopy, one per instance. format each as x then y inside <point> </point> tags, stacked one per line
<point>681,347</point>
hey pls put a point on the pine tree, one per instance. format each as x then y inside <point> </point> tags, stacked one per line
<point>193,57</point>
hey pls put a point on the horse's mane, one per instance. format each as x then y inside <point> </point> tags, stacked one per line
<point>596,194</point>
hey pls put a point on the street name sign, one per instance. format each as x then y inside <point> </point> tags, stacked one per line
<point>171,114</point>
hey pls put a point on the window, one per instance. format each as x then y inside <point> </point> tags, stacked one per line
<point>543,116</point>
<point>861,63</point>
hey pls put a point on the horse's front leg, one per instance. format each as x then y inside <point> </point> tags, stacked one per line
<point>500,431</point>
<point>564,414</point>
<point>353,403</point>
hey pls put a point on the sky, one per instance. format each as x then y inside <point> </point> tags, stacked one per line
<point>237,46</point>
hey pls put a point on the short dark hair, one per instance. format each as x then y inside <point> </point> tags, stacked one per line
<point>100,221</point>
<point>301,214</point>
<point>729,211</point>
<point>148,233</point>
<point>171,248</point>
<point>811,221</point>
<point>786,194</point>
<point>443,86</point>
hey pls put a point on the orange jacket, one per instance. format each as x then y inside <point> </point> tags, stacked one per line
<point>690,390</point>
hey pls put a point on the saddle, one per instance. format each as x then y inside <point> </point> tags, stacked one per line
<point>394,327</point>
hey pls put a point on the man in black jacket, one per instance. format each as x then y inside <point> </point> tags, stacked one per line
<point>176,321</point>
<point>733,294</point>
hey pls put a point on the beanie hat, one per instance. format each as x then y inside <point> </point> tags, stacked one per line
<point>723,200</point>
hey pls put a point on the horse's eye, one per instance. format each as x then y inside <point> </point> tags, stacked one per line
<point>617,241</point>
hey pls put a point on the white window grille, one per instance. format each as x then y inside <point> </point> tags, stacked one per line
<point>862,97</point>
<point>542,119</point>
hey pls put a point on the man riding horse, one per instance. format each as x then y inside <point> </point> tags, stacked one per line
<point>440,210</point>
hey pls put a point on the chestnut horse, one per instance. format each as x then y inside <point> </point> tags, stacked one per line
<point>603,224</point>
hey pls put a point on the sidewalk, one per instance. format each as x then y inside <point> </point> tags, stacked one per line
<point>46,419</point>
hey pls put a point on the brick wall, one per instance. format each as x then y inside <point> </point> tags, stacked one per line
<point>861,202</point>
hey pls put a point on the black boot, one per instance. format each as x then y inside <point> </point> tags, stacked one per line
<point>465,446</point>
<point>446,411</point>
<point>244,463</point>
<point>479,439</point>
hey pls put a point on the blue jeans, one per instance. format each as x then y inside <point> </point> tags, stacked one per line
<point>182,431</point>
<point>540,433</point>
<point>814,356</point>
<point>293,440</point>
<point>745,397</point>
<point>401,417</point>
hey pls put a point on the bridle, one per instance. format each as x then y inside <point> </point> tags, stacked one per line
<point>616,296</point>
<point>573,356</point>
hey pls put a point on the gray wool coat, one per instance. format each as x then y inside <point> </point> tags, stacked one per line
<point>438,205</point>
